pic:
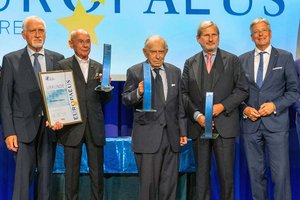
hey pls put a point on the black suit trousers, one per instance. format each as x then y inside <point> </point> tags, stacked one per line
<point>223,149</point>
<point>72,165</point>
<point>158,172</point>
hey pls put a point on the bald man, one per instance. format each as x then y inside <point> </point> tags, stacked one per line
<point>91,131</point>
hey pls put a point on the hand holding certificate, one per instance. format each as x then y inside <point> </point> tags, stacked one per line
<point>60,97</point>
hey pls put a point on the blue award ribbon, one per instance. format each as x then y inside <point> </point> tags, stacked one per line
<point>147,97</point>
<point>208,117</point>
<point>106,64</point>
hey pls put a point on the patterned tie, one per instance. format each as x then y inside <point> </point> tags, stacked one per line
<point>158,87</point>
<point>259,76</point>
<point>208,62</point>
<point>37,66</point>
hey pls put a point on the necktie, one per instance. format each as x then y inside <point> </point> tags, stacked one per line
<point>158,88</point>
<point>259,76</point>
<point>208,62</point>
<point>36,66</point>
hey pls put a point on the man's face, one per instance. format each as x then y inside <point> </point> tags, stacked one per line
<point>261,35</point>
<point>155,52</point>
<point>209,39</point>
<point>81,43</point>
<point>35,34</point>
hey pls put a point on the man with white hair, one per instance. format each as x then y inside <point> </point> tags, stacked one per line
<point>22,111</point>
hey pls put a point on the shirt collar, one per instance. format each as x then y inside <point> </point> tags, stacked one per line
<point>81,60</point>
<point>213,54</point>
<point>31,52</point>
<point>267,50</point>
<point>161,68</point>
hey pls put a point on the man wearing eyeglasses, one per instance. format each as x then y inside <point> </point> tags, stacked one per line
<point>273,87</point>
<point>22,111</point>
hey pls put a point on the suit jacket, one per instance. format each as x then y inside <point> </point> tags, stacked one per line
<point>90,102</point>
<point>280,86</point>
<point>21,98</point>
<point>229,87</point>
<point>147,129</point>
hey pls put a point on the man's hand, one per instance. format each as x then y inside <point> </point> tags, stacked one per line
<point>251,113</point>
<point>141,88</point>
<point>55,127</point>
<point>201,120</point>
<point>266,109</point>
<point>98,76</point>
<point>12,143</point>
<point>183,140</point>
<point>217,109</point>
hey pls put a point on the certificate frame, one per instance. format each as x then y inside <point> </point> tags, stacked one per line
<point>60,97</point>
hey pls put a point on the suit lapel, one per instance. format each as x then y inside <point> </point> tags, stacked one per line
<point>169,80</point>
<point>27,66</point>
<point>92,70</point>
<point>49,61</point>
<point>250,61</point>
<point>196,66</point>
<point>272,61</point>
<point>219,64</point>
<point>77,69</point>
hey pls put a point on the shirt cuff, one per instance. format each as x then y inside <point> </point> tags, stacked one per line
<point>197,114</point>
<point>138,95</point>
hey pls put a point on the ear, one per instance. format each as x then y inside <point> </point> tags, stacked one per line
<point>23,35</point>
<point>145,52</point>
<point>71,44</point>
<point>198,38</point>
<point>166,51</point>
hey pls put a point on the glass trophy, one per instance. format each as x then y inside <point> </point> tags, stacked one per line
<point>208,132</point>
<point>105,83</point>
<point>147,97</point>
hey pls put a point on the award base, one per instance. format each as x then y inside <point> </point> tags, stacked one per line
<point>209,136</point>
<point>145,110</point>
<point>104,88</point>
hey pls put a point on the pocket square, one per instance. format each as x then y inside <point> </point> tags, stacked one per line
<point>276,68</point>
<point>173,85</point>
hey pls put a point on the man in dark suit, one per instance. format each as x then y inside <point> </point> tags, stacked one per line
<point>213,70</point>
<point>156,136</point>
<point>22,111</point>
<point>273,87</point>
<point>91,131</point>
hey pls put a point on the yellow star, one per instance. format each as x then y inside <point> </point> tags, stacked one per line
<point>101,1</point>
<point>82,20</point>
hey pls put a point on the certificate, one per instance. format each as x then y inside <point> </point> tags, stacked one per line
<point>60,97</point>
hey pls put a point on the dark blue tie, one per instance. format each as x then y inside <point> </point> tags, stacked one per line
<point>158,87</point>
<point>36,66</point>
<point>259,76</point>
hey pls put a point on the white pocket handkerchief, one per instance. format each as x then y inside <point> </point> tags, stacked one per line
<point>276,68</point>
<point>173,85</point>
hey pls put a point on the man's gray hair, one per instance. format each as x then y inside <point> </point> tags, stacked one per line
<point>27,19</point>
<point>259,20</point>
<point>205,24</point>
<point>155,37</point>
